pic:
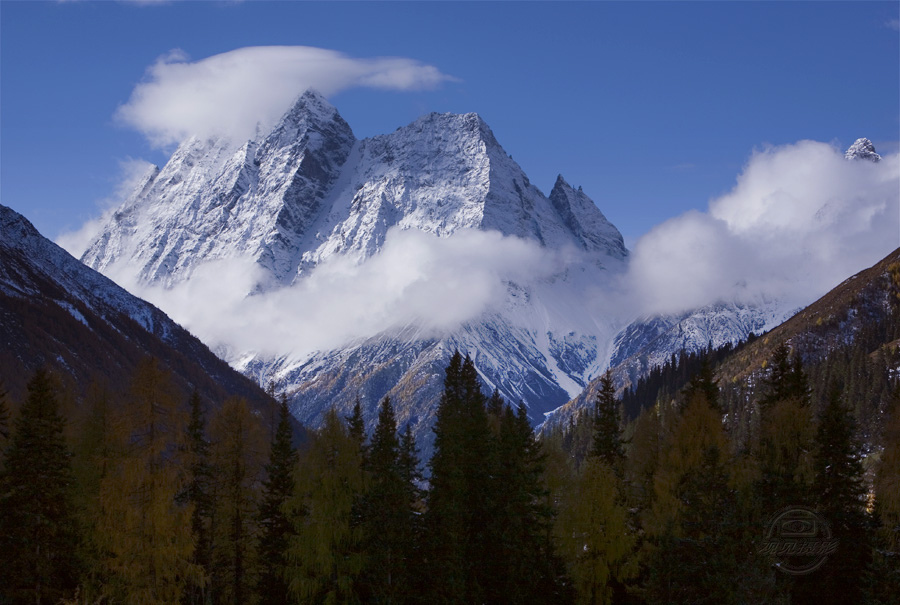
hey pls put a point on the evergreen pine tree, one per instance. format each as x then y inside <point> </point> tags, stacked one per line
<point>704,383</point>
<point>530,570</point>
<point>38,538</point>
<point>783,453</point>
<point>94,448</point>
<point>786,379</point>
<point>275,526</point>
<point>607,443</point>
<point>411,474</point>
<point>198,494</point>
<point>884,576</point>
<point>840,498</point>
<point>700,553</point>
<point>357,427</point>
<point>324,557</point>
<point>143,530</point>
<point>458,520</point>
<point>409,466</point>
<point>388,532</point>
<point>237,452</point>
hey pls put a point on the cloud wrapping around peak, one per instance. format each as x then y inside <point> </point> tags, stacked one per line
<point>417,278</point>
<point>800,219</point>
<point>230,93</point>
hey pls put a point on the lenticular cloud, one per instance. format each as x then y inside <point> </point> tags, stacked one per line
<point>230,93</point>
<point>800,219</point>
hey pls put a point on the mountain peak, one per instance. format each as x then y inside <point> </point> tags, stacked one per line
<point>311,109</point>
<point>585,220</point>
<point>862,149</point>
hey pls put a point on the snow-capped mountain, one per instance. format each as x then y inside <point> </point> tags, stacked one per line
<point>308,192</point>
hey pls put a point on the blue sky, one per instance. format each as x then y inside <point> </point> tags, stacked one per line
<point>654,108</point>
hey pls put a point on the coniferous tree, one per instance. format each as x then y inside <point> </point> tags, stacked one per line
<point>700,554</point>
<point>523,564</point>
<point>275,525</point>
<point>237,454</point>
<point>410,472</point>
<point>198,494</point>
<point>324,557</point>
<point>457,519</point>
<point>786,379</point>
<point>783,454</point>
<point>704,383</point>
<point>594,534</point>
<point>357,426</point>
<point>143,530</point>
<point>409,465</point>
<point>884,576</point>
<point>607,444</point>
<point>388,526</point>
<point>38,538</point>
<point>94,448</point>
<point>840,498</point>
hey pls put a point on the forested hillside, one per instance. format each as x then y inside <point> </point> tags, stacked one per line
<point>133,499</point>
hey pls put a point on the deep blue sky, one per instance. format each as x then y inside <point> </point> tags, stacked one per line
<point>652,107</point>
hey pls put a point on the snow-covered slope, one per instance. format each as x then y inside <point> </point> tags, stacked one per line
<point>308,192</point>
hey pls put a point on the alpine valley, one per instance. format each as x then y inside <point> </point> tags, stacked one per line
<point>295,204</point>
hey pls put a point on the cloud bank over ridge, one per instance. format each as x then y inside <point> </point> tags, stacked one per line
<point>800,219</point>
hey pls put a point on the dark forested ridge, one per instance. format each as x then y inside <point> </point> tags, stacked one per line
<point>56,312</point>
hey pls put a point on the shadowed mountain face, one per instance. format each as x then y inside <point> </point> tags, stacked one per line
<point>55,311</point>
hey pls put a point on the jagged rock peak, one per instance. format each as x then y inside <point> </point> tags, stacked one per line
<point>312,103</point>
<point>582,216</point>
<point>311,110</point>
<point>862,149</point>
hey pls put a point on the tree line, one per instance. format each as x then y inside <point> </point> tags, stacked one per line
<point>142,497</point>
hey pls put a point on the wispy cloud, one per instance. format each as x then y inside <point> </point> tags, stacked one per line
<point>893,24</point>
<point>230,93</point>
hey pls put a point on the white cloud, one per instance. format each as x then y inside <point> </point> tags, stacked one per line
<point>229,93</point>
<point>800,219</point>
<point>416,279</point>
<point>131,172</point>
